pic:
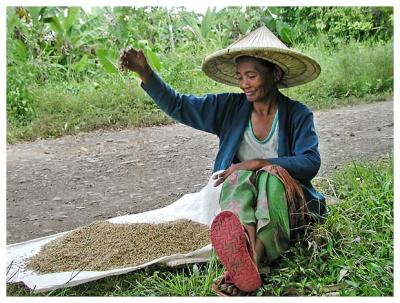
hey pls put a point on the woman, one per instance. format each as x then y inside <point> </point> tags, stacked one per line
<point>268,151</point>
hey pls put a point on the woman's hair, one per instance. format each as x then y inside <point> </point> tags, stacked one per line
<point>263,62</point>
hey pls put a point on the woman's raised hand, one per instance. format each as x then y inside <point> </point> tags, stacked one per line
<point>135,60</point>
<point>132,59</point>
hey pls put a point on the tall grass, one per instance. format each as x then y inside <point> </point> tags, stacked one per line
<point>352,73</point>
<point>351,254</point>
<point>73,107</point>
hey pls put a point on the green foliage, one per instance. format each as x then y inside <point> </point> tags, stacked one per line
<point>182,70</point>
<point>223,27</point>
<point>152,57</point>
<point>350,254</point>
<point>103,55</point>
<point>20,101</point>
<point>340,23</point>
<point>20,104</point>
<point>275,23</point>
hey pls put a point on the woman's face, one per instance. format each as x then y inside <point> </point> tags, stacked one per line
<point>255,79</point>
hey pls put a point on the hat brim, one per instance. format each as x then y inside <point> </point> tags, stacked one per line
<point>297,68</point>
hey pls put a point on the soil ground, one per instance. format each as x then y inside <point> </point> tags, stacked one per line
<point>58,185</point>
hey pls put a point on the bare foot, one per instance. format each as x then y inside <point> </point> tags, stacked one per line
<point>232,290</point>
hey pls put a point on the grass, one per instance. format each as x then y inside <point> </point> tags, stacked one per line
<point>64,110</point>
<point>352,73</point>
<point>350,254</point>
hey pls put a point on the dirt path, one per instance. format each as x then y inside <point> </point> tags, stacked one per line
<point>58,185</point>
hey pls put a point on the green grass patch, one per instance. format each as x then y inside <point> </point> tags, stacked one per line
<point>110,103</point>
<point>351,73</point>
<point>350,254</point>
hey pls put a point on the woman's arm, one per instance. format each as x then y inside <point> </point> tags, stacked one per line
<point>204,113</point>
<point>305,162</point>
<point>201,112</point>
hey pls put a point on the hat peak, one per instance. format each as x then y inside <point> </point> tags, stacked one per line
<point>261,37</point>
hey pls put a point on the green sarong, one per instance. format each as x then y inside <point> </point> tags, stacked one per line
<point>259,199</point>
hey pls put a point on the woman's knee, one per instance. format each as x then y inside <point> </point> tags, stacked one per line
<point>241,173</point>
<point>241,177</point>
<point>272,180</point>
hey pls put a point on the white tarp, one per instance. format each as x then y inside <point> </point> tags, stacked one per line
<point>200,207</point>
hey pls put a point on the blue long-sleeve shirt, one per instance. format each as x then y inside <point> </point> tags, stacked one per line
<point>227,115</point>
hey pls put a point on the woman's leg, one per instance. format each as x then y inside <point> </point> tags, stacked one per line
<point>273,229</point>
<point>239,195</point>
<point>260,203</point>
<point>251,232</point>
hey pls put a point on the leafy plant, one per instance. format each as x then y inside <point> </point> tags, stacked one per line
<point>340,23</point>
<point>108,60</point>
<point>20,101</point>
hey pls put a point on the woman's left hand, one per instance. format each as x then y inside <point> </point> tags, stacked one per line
<point>221,177</point>
<point>254,165</point>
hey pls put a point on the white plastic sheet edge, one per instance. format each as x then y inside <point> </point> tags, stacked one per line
<point>201,207</point>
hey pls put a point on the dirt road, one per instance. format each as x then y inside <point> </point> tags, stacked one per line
<point>58,185</point>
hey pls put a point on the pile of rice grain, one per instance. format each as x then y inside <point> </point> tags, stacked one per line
<point>102,245</point>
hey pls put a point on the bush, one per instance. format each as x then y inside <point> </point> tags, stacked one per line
<point>340,23</point>
<point>20,100</point>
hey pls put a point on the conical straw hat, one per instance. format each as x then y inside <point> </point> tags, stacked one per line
<point>262,43</point>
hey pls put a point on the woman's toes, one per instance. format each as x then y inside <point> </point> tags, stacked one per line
<point>223,287</point>
<point>230,288</point>
<point>234,291</point>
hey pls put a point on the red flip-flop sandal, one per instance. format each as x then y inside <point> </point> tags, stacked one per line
<point>230,242</point>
